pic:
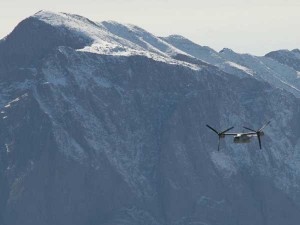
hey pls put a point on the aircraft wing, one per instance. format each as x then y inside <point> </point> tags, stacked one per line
<point>234,134</point>
<point>231,134</point>
<point>249,133</point>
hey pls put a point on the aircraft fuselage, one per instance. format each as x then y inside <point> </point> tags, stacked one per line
<point>244,138</point>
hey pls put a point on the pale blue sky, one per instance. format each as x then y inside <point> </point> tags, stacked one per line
<point>253,26</point>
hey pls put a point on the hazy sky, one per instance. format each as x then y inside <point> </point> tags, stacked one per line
<point>253,26</point>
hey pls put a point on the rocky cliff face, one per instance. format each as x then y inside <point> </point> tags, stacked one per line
<point>289,58</point>
<point>104,123</point>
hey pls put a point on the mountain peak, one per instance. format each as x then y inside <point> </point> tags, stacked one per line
<point>49,16</point>
<point>179,39</point>
<point>286,57</point>
<point>57,19</point>
<point>37,35</point>
<point>296,50</point>
<point>176,36</point>
<point>47,30</point>
<point>45,12</point>
<point>227,50</point>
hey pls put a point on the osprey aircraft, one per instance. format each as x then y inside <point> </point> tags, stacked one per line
<point>241,138</point>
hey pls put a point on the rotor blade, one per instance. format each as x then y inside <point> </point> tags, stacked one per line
<point>212,129</point>
<point>226,130</point>
<point>264,126</point>
<point>259,141</point>
<point>250,129</point>
<point>219,144</point>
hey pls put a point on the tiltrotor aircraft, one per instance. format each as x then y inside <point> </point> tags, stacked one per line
<point>241,138</point>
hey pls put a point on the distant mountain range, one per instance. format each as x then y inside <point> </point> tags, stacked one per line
<point>103,123</point>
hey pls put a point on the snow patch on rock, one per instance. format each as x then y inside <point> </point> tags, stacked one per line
<point>240,67</point>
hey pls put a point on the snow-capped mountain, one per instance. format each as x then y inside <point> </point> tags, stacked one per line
<point>103,123</point>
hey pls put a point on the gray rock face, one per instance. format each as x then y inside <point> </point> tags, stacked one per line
<point>98,129</point>
<point>289,58</point>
